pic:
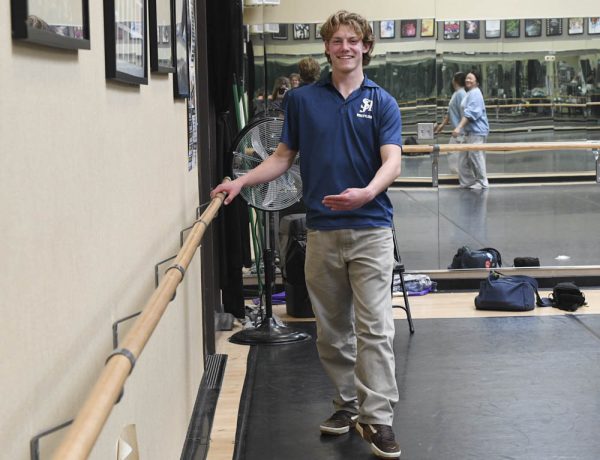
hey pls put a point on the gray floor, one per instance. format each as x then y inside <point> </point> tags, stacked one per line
<point>544,221</point>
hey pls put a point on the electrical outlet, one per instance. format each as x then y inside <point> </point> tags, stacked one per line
<point>424,131</point>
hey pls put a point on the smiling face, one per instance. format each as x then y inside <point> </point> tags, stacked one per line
<point>345,50</point>
<point>471,82</point>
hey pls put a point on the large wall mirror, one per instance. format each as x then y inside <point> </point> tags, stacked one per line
<point>541,83</point>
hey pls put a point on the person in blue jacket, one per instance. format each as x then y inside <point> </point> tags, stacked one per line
<point>471,165</point>
<point>348,132</point>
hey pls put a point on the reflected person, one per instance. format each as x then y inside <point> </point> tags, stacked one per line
<point>471,165</point>
<point>453,116</point>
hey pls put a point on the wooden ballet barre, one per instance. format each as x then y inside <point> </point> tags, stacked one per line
<point>92,416</point>
<point>503,147</point>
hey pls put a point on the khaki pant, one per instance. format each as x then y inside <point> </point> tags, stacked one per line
<point>471,165</point>
<point>349,276</point>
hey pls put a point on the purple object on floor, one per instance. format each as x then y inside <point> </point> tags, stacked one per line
<point>276,299</point>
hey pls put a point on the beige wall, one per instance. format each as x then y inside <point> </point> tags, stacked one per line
<point>94,189</point>
<point>316,10</point>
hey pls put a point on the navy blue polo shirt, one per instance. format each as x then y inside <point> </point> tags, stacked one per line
<point>339,144</point>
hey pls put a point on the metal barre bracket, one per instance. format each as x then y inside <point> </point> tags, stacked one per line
<point>125,352</point>
<point>596,153</point>
<point>34,443</point>
<point>435,156</point>
<point>177,267</point>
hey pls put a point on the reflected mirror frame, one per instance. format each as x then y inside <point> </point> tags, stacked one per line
<point>113,72</point>
<point>37,34</point>
<point>155,36</point>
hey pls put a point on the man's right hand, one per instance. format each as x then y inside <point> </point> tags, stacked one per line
<point>232,189</point>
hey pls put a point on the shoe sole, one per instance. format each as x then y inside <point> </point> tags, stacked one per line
<point>338,431</point>
<point>376,451</point>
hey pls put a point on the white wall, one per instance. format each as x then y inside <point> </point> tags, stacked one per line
<point>94,189</point>
<point>317,10</point>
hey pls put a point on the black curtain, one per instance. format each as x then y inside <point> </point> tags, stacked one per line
<point>225,64</point>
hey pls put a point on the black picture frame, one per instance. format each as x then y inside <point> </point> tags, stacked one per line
<point>554,27</point>
<point>30,27</point>
<point>451,30</point>
<point>161,20</point>
<point>472,29</point>
<point>387,29</point>
<point>181,76</point>
<point>533,28</point>
<point>493,28</point>
<point>125,41</point>
<point>594,26</point>
<point>408,28</point>
<point>282,34</point>
<point>512,28</point>
<point>301,31</point>
<point>575,26</point>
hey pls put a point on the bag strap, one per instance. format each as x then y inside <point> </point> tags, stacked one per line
<point>540,301</point>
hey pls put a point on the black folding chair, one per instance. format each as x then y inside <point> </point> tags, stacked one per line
<point>399,270</point>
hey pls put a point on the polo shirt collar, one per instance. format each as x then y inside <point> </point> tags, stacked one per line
<point>365,84</point>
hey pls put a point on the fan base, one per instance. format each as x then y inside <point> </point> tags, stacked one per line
<point>269,332</point>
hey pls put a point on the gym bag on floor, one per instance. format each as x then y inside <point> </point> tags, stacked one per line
<point>567,296</point>
<point>508,293</point>
<point>465,257</point>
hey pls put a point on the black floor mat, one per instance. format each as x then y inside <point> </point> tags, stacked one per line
<point>485,388</point>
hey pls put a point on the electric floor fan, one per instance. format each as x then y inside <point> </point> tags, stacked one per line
<point>255,143</point>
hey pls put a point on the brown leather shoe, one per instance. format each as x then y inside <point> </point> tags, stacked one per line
<point>382,440</point>
<point>339,423</point>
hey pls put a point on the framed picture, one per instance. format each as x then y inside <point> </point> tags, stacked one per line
<point>451,30</point>
<point>512,28</point>
<point>161,18</point>
<point>301,31</point>
<point>181,78</point>
<point>318,31</point>
<point>492,28</point>
<point>427,27</point>
<point>282,34</point>
<point>408,28</point>
<point>575,26</point>
<point>533,27</point>
<point>472,29</point>
<point>593,26</point>
<point>554,27</point>
<point>387,29</point>
<point>372,26</point>
<point>125,46</point>
<point>43,23</point>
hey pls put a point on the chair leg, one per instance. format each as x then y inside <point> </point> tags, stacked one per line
<point>406,307</point>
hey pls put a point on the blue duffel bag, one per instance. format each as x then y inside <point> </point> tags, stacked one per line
<point>508,293</point>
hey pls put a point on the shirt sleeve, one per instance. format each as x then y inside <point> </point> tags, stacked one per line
<point>390,127</point>
<point>289,133</point>
<point>474,106</point>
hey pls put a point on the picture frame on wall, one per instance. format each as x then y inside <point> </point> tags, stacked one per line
<point>181,77</point>
<point>512,28</point>
<point>125,41</point>
<point>69,27</point>
<point>575,26</point>
<point>301,31</point>
<point>427,27</point>
<point>533,27</point>
<point>594,26</point>
<point>161,20</point>
<point>387,28</point>
<point>451,30</point>
<point>408,28</point>
<point>282,34</point>
<point>472,29</point>
<point>318,30</point>
<point>554,27</point>
<point>492,28</point>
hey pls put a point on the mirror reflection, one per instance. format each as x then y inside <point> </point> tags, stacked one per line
<point>540,81</point>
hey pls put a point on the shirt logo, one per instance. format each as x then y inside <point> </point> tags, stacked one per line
<point>366,106</point>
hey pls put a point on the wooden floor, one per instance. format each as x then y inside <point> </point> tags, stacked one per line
<point>436,305</point>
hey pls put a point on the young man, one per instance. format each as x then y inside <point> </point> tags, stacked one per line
<point>348,132</point>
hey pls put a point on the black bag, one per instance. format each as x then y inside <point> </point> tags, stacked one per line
<point>567,296</point>
<point>508,293</point>
<point>526,262</point>
<point>465,257</point>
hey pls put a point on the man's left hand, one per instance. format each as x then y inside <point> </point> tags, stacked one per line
<point>351,198</point>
